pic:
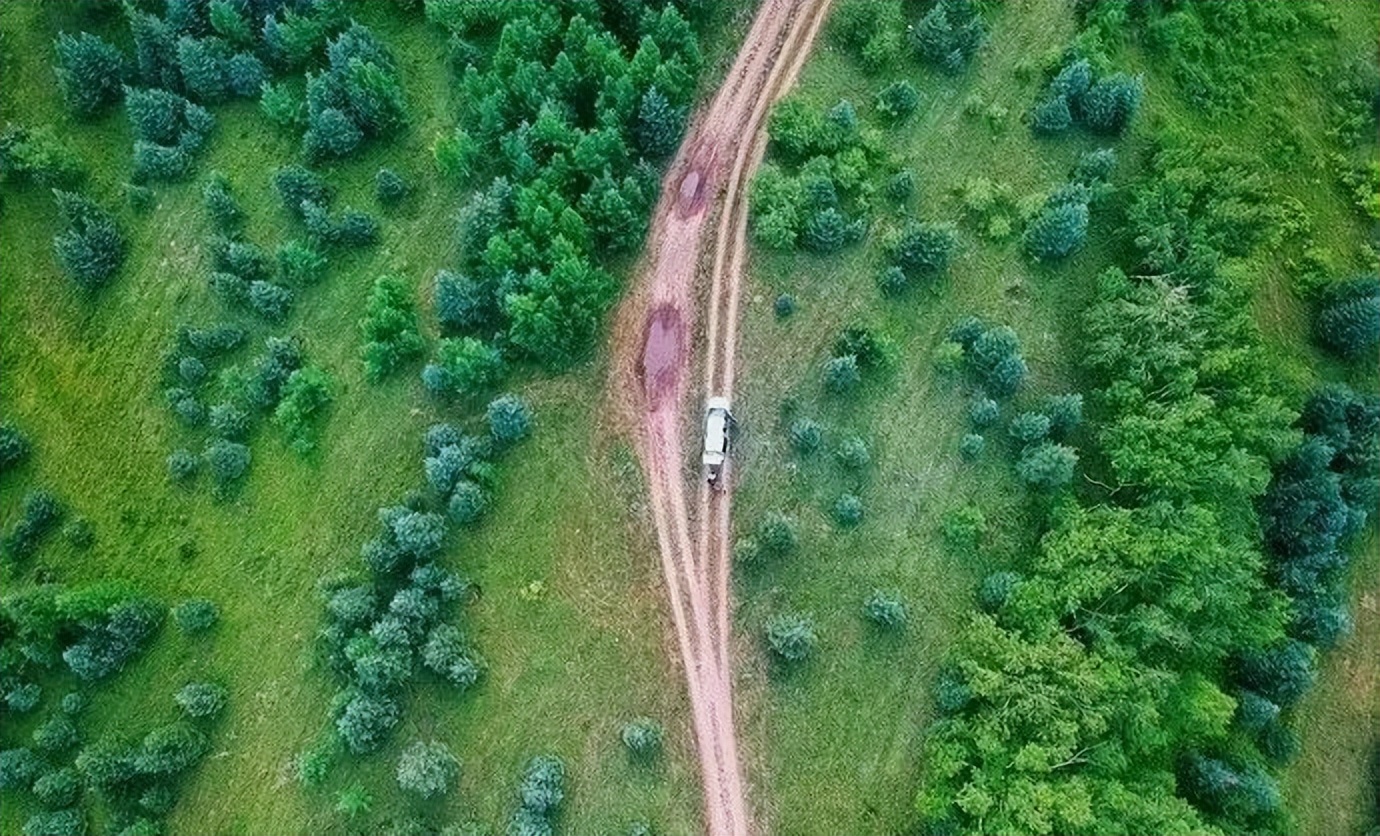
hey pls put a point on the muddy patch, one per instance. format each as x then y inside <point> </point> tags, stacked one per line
<point>661,355</point>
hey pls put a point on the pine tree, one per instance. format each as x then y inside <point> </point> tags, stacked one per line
<point>1052,116</point>
<point>659,125</point>
<point>91,248</point>
<point>155,51</point>
<point>1111,103</point>
<point>203,63</point>
<point>1059,230</point>
<point>1349,323</point>
<point>90,72</point>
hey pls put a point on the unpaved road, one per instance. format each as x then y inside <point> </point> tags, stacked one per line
<point>710,173</point>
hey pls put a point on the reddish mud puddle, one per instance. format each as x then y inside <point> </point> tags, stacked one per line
<point>661,355</point>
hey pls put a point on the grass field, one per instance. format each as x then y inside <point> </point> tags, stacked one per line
<point>837,742</point>
<point>570,618</point>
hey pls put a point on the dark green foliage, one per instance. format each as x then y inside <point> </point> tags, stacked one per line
<point>40,515</point>
<point>171,749</point>
<point>357,97</point>
<point>1065,413</point>
<point>1348,321</point>
<point>1281,673</point>
<point>390,330</point>
<point>1236,795</point>
<point>24,698</point>
<point>1094,166</point>
<point>996,359</point>
<point>543,785</point>
<point>643,738</point>
<point>462,304</point>
<point>56,734</point>
<point>191,370</point>
<point>36,155</point>
<point>90,248</point>
<point>825,231</point>
<point>183,466</point>
<point>330,134</point>
<point>885,609</point>
<point>970,447</point>
<point>90,72</point>
<point>228,421</point>
<point>1047,466</point>
<point>1060,228</point>
<point>1111,103</point>
<point>659,125</point>
<point>69,822</point>
<point>791,637</point>
<point>784,306</point>
<point>1052,116</point>
<point>184,404</point>
<point>841,374</point>
<point>354,229</point>
<point>949,34</point>
<point>296,185</point>
<point>427,770</point>
<point>365,722</point>
<point>201,699</point>
<point>306,395</point>
<point>204,63</point>
<point>221,205</point>
<point>389,187</point>
<point>196,615</point>
<point>467,504</point>
<point>983,412</point>
<point>510,420</point>
<point>227,462</point>
<point>997,589</point>
<point>271,301</point>
<point>806,435</point>
<point>847,511</point>
<point>155,51</point>
<point>923,250</point>
<point>898,100</point>
<point>1030,427</point>
<point>901,187</point>
<point>776,534</point>
<point>243,259</point>
<point>245,74</point>
<point>110,638</point>
<point>852,453</point>
<point>19,768</point>
<point>300,264</point>
<point>58,788</point>
<point>873,30</point>
<point>207,343</point>
<point>448,655</point>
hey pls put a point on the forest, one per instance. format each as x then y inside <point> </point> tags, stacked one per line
<point>325,508</point>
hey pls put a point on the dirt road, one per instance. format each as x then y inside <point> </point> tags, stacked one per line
<point>710,173</point>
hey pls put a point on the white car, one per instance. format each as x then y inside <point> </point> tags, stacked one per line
<point>718,424</point>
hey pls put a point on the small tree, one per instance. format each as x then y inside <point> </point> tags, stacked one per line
<point>90,72</point>
<point>353,801</point>
<point>996,590</point>
<point>1051,116</point>
<point>201,699</point>
<point>853,454</point>
<point>806,435</point>
<point>848,510</point>
<point>791,636</point>
<point>300,264</point>
<point>841,374</point>
<point>923,250</point>
<point>227,462</point>
<point>885,609</point>
<point>281,106</point>
<point>643,738</point>
<point>1348,322</point>
<point>307,394</point>
<point>776,534</point>
<point>91,248</point>
<point>510,420</point>
<point>389,187</point>
<point>971,446</point>
<point>58,788</point>
<point>14,447</point>
<point>898,100</point>
<point>467,504</point>
<point>1111,103</point>
<point>1029,427</point>
<point>1065,414</point>
<point>658,126</point>
<point>1059,230</point>
<point>448,655</point>
<point>196,615</point>
<point>1047,466</point>
<point>365,722</point>
<point>983,412</point>
<point>427,769</point>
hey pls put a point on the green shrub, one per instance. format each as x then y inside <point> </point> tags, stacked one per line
<point>970,447</point>
<point>196,615</point>
<point>90,72</point>
<point>1348,321</point>
<point>806,435</point>
<point>642,737</point>
<point>776,534</point>
<point>307,394</point>
<point>364,722</point>
<point>353,801</point>
<point>68,822</point>
<point>847,511</point>
<point>1065,414</point>
<point>467,504</point>
<point>36,155</point>
<point>56,734</point>
<point>1052,116</point>
<point>221,205</point>
<point>201,699</point>
<point>391,337</point>
<point>448,655</point>
<point>1029,427</point>
<point>841,374</point>
<point>1058,231</point>
<point>90,248</point>
<point>853,454</point>
<point>996,589</point>
<point>427,770</point>
<point>923,251</point>
<point>949,34</point>
<point>543,785</point>
<point>885,609</point>
<point>389,187</point>
<point>58,788</point>
<point>510,420</point>
<point>14,447</point>
<point>271,301</point>
<point>281,106</point>
<point>300,264</point>
<point>171,749</point>
<point>784,306</point>
<point>983,412</point>
<point>791,636</point>
<point>1047,466</point>
<point>227,462</point>
<point>963,527</point>
<point>898,100</point>
<point>23,698</point>
<point>314,763</point>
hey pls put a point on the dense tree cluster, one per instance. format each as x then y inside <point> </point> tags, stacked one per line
<point>170,132</point>
<point>569,107</point>
<point>1076,96</point>
<point>357,97</point>
<point>1100,644</point>
<point>817,191</point>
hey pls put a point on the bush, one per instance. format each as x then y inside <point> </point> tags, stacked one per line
<point>464,366</point>
<point>201,699</point>
<point>297,185</point>
<point>355,229</point>
<point>450,657</point>
<point>1065,413</point>
<point>1111,103</point>
<point>195,615</point>
<point>791,636</point>
<point>90,73</point>
<point>971,447</point>
<point>776,534</point>
<point>806,435</point>
<point>56,734</point>
<point>24,698</point>
<point>848,510</point>
<point>58,788</point>
<point>40,515</point>
<point>228,421</point>
<point>885,608</point>
<point>462,304</point>
<point>390,328</point>
<point>643,738</point>
<point>106,645</point>
<point>826,231</point>
<point>996,589</point>
<point>271,301</point>
<point>366,721</point>
<point>1052,116</point>
<point>510,420</point>
<point>1047,466</point>
<point>90,248</point>
<point>221,205</point>
<point>853,454</point>
<point>68,822</point>
<point>841,374</point>
<point>280,106</point>
<point>1029,427</point>
<point>227,461</point>
<point>36,155</point>
<point>468,502</point>
<point>949,34</point>
<point>18,768</point>
<point>389,187</point>
<point>1059,230</point>
<point>983,412</point>
<point>300,264</point>
<point>308,393</point>
<point>543,785</point>
<point>923,250</point>
<point>898,100</point>
<point>427,769</point>
<point>963,527</point>
<point>171,749</point>
<point>784,306</point>
<point>14,447</point>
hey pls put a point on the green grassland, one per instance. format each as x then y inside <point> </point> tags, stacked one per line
<point>569,619</point>
<point>836,742</point>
